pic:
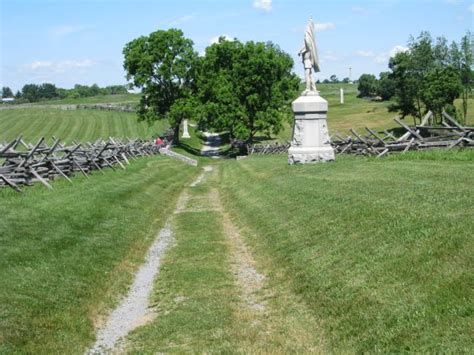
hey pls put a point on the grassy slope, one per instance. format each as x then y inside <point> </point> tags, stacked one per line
<point>358,113</point>
<point>81,125</point>
<point>380,250</point>
<point>67,254</point>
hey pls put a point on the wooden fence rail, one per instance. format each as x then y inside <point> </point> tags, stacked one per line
<point>451,134</point>
<point>24,164</point>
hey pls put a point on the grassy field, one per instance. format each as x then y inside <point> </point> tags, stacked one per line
<point>358,113</point>
<point>80,125</point>
<point>380,250</point>
<point>67,254</point>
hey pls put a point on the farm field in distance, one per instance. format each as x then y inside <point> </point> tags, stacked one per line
<point>79,125</point>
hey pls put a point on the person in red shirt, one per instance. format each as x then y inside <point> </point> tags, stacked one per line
<point>159,141</point>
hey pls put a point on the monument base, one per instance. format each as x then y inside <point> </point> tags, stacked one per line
<point>310,155</point>
<point>310,140</point>
<point>185,135</point>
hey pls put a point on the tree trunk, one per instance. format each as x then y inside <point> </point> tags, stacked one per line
<point>176,135</point>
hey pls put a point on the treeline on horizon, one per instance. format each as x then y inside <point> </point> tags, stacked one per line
<point>48,91</point>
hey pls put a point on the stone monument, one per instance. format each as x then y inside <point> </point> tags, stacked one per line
<point>185,130</point>
<point>310,140</point>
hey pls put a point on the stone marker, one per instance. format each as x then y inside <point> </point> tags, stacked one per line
<point>310,140</point>
<point>185,130</point>
<point>341,90</point>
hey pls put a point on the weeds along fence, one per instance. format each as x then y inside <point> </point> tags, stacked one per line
<point>24,164</point>
<point>106,107</point>
<point>421,137</point>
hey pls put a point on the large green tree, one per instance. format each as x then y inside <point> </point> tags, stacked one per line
<point>245,88</point>
<point>427,77</point>
<point>163,64</point>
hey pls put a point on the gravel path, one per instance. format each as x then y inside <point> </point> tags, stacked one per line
<point>133,310</point>
<point>211,148</point>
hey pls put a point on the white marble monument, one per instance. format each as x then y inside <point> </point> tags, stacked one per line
<point>185,130</point>
<point>310,141</point>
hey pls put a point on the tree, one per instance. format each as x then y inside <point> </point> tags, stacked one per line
<point>441,87</point>
<point>245,88</point>
<point>346,80</point>
<point>464,65</point>
<point>7,92</point>
<point>367,85</point>
<point>30,92</point>
<point>163,64</point>
<point>386,86</point>
<point>333,78</point>
<point>424,77</point>
<point>47,91</point>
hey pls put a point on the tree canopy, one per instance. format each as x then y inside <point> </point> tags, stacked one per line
<point>245,88</point>
<point>164,65</point>
<point>430,76</point>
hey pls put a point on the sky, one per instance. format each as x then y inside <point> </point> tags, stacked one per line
<point>67,42</point>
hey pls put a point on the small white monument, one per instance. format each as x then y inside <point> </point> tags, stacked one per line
<point>310,141</point>
<point>341,91</point>
<point>185,130</point>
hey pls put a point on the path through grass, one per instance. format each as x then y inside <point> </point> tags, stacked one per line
<point>67,254</point>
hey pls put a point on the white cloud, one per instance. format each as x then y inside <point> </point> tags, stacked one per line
<point>62,31</point>
<point>362,53</point>
<point>57,67</point>
<point>265,5</point>
<point>471,8</point>
<point>383,58</point>
<point>397,49</point>
<point>324,26</point>
<point>215,39</point>
<point>182,19</point>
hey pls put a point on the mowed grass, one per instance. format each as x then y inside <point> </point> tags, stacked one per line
<point>68,254</point>
<point>380,250</point>
<point>69,125</point>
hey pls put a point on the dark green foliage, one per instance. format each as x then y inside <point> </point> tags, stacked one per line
<point>430,76</point>
<point>386,86</point>
<point>245,88</point>
<point>367,85</point>
<point>163,64</point>
<point>7,92</point>
<point>441,86</point>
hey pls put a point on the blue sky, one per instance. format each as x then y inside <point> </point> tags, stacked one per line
<point>75,41</point>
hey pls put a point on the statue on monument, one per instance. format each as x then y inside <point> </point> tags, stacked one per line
<point>309,56</point>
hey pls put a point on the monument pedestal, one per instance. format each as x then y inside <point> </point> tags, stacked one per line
<point>310,141</point>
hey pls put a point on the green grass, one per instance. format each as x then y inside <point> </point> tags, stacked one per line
<point>358,113</point>
<point>194,294</point>
<point>379,250</point>
<point>68,125</point>
<point>67,254</point>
